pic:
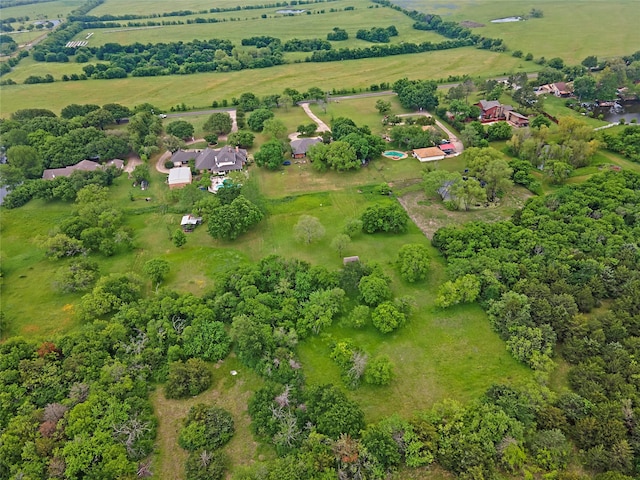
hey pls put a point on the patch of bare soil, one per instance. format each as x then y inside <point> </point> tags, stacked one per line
<point>430,215</point>
<point>471,24</point>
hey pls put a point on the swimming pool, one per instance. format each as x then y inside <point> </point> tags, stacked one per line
<point>395,154</point>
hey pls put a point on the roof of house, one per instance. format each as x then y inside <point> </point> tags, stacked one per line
<point>84,165</point>
<point>488,104</point>
<point>190,220</point>
<point>116,162</point>
<point>446,146</point>
<point>299,146</point>
<point>519,115</point>
<point>428,152</point>
<point>179,175</point>
<point>183,156</point>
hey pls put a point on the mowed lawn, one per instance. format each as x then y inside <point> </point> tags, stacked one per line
<point>570,29</point>
<point>199,90</point>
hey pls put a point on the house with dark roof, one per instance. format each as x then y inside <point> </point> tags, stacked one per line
<point>84,166</point>
<point>492,110</point>
<point>300,146</point>
<point>221,161</point>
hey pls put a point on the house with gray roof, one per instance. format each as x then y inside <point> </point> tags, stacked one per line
<point>222,160</point>
<point>300,146</point>
<point>84,165</point>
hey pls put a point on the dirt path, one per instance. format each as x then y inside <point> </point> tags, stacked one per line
<point>132,162</point>
<point>322,127</point>
<point>160,163</point>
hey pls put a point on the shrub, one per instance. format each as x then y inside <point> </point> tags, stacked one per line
<point>187,379</point>
<point>206,427</point>
<point>379,371</point>
<point>168,164</point>
<point>205,465</point>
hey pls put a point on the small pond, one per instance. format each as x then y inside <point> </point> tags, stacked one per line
<point>288,11</point>
<point>628,111</point>
<point>507,20</point>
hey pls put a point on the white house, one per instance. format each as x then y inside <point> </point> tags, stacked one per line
<point>429,154</point>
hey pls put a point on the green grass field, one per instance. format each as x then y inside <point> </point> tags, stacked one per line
<point>570,29</point>
<point>142,7</point>
<point>249,23</point>
<point>26,37</point>
<point>37,11</point>
<point>200,90</point>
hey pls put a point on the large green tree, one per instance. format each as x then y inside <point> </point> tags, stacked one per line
<point>229,221</point>
<point>270,155</point>
<point>219,123</point>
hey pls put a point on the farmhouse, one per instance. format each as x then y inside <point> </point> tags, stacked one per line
<point>300,146</point>
<point>428,154</point>
<point>84,166</point>
<point>559,89</point>
<point>179,177</point>
<point>220,161</point>
<point>492,110</point>
<point>517,119</point>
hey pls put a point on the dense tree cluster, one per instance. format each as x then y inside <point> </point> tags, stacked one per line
<point>416,94</point>
<point>573,145</point>
<point>626,142</point>
<point>377,34</point>
<point>561,255</point>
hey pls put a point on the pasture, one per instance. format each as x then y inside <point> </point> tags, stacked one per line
<point>145,7</point>
<point>235,26</point>
<point>40,11</point>
<point>199,90</point>
<point>571,29</point>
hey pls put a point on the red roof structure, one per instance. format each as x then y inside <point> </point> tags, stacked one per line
<point>447,147</point>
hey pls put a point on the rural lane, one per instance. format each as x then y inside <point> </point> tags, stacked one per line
<point>322,127</point>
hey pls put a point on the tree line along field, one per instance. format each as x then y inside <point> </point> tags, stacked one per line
<point>200,90</point>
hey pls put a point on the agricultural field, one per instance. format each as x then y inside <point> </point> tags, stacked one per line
<point>247,23</point>
<point>199,90</point>
<point>41,11</point>
<point>571,30</point>
<point>145,7</point>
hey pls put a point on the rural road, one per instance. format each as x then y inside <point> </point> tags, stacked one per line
<point>322,127</point>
